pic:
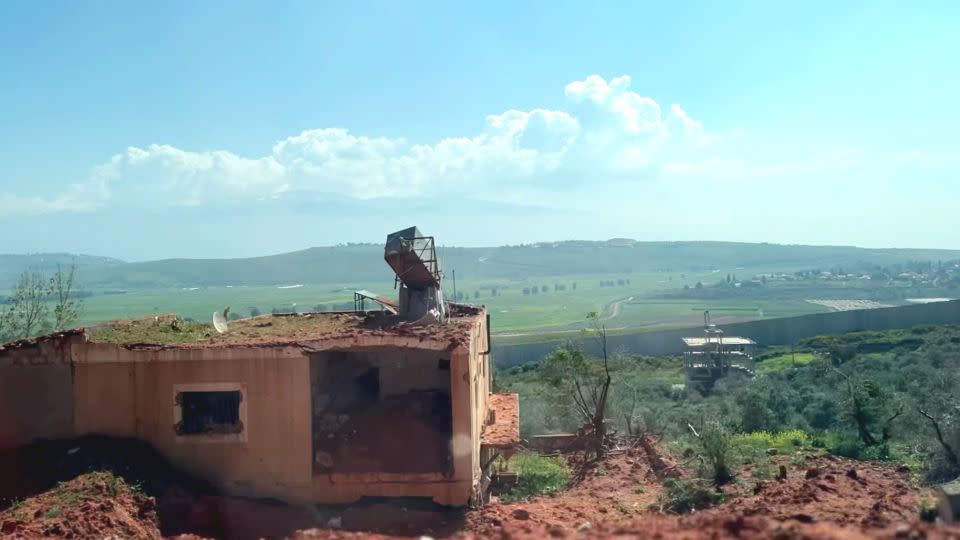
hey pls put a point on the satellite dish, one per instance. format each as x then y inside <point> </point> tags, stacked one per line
<point>220,320</point>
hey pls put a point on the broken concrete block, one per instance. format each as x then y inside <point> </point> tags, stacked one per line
<point>949,498</point>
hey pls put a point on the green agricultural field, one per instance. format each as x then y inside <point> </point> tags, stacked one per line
<point>637,301</point>
<point>632,303</point>
<point>634,286</point>
<point>200,303</point>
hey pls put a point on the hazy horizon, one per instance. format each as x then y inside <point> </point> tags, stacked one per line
<point>441,246</point>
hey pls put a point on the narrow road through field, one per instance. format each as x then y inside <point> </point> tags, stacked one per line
<point>613,308</point>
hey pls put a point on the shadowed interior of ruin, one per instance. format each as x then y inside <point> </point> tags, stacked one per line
<point>381,411</point>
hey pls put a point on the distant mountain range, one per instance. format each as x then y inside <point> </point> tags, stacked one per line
<point>355,263</point>
<point>11,266</point>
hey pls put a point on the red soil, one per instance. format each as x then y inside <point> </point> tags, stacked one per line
<point>95,505</point>
<point>825,498</point>
<point>842,499</point>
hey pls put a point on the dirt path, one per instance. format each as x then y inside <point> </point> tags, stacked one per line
<point>614,308</point>
<point>610,311</point>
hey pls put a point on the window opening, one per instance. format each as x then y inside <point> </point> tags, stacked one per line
<point>205,413</point>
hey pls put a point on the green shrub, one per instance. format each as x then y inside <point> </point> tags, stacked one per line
<point>783,441</point>
<point>536,475</point>
<point>715,448</point>
<point>852,447</point>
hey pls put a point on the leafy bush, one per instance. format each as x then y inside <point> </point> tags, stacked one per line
<point>715,448</point>
<point>536,475</point>
<point>852,447</point>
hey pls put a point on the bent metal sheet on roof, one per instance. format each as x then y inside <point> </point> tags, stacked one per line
<point>388,304</point>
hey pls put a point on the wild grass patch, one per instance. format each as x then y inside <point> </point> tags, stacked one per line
<point>536,475</point>
<point>784,441</point>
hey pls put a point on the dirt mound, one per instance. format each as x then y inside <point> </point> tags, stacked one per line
<point>183,503</point>
<point>872,496</point>
<point>827,498</point>
<point>613,492</point>
<point>95,505</point>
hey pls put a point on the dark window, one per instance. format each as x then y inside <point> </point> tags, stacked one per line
<point>209,412</point>
<point>444,364</point>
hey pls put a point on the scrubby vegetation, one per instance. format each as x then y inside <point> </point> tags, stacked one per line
<point>536,475</point>
<point>685,495</point>
<point>867,395</point>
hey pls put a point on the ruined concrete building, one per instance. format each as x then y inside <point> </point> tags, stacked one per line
<point>315,408</point>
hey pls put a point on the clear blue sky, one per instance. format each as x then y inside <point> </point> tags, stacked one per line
<point>248,128</point>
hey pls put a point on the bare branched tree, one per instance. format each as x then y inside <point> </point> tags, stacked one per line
<point>67,306</point>
<point>948,450</point>
<point>28,306</point>
<point>583,383</point>
<point>867,401</point>
<point>598,421</point>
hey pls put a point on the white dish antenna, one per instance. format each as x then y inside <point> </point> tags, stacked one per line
<point>220,320</point>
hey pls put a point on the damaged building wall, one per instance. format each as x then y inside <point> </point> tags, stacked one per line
<point>64,386</point>
<point>270,453</point>
<point>480,377</point>
<point>123,392</point>
<point>469,386</point>
<point>381,410</point>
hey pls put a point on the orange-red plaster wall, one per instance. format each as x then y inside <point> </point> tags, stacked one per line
<point>135,397</point>
<point>36,400</point>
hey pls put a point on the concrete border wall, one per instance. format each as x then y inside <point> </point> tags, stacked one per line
<point>782,331</point>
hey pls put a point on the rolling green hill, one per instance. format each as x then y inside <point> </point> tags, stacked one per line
<point>364,263</point>
<point>11,266</point>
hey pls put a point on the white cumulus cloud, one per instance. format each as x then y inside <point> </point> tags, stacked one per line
<point>607,131</point>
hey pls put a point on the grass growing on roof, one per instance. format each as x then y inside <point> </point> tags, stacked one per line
<point>172,330</point>
<point>161,331</point>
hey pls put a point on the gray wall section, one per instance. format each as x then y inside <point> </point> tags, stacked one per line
<point>36,402</point>
<point>784,331</point>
